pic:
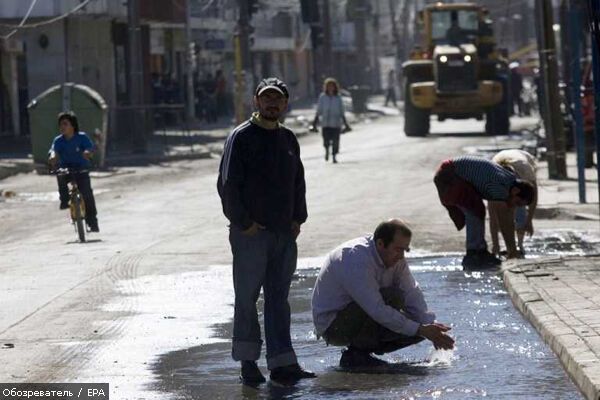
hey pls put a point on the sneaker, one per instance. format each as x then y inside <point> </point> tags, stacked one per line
<point>354,358</point>
<point>94,226</point>
<point>290,374</point>
<point>334,159</point>
<point>63,206</point>
<point>250,374</point>
<point>480,259</point>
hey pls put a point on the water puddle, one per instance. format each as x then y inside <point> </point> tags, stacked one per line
<point>185,319</point>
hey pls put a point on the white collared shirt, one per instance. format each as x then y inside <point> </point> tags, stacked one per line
<point>355,272</point>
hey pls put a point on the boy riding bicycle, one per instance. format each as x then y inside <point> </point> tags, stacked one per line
<point>73,149</point>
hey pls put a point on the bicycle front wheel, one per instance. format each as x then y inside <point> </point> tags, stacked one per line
<point>79,219</point>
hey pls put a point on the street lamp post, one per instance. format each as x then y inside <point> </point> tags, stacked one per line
<point>594,22</point>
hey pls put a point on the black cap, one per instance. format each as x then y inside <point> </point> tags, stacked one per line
<point>272,83</point>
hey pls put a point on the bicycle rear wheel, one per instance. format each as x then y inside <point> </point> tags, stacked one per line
<point>79,223</point>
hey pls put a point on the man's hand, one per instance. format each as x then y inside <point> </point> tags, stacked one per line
<point>529,228</point>
<point>52,160</point>
<point>253,230</point>
<point>436,332</point>
<point>295,229</point>
<point>87,154</point>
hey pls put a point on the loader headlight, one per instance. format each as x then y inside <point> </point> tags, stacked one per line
<point>443,59</point>
<point>467,58</point>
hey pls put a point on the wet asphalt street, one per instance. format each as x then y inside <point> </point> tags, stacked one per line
<point>155,282</point>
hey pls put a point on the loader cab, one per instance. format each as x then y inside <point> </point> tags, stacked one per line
<point>454,27</point>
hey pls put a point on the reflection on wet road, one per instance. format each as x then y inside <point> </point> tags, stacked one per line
<point>498,354</point>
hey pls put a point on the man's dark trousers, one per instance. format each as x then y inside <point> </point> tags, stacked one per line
<point>268,260</point>
<point>353,327</point>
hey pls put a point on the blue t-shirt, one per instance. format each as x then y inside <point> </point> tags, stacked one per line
<point>70,152</point>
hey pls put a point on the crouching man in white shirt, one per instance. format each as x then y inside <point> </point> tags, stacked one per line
<point>366,299</point>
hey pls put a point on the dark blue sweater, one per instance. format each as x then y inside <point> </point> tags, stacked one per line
<point>261,178</point>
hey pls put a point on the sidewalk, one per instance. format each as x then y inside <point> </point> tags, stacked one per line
<point>173,145</point>
<point>14,156</point>
<point>561,299</point>
<point>562,196</point>
<point>561,296</point>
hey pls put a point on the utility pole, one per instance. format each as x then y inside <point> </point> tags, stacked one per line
<point>574,26</point>
<point>593,9</point>
<point>553,121</point>
<point>191,101</point>
<point>67,55</point>
<point>243,63</point>
<point>244,33</point>
<point>328,59</point>
<point>397,42</point>
<point>360,27</point>
<point>405,23</point>
<point>136,78</point>
<point>405,42</point>
<point>376,80</point>
<point>239,81</point>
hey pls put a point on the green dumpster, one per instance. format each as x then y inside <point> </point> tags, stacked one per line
<point>360,95</point>
<point>88,105</point>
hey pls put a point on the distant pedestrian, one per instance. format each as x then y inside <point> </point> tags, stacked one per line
<point>516,90</point>
<point>262,189</point>
<point>73,149</point>
<point>463,183</point>
<point>391,88</point>
<point>157,89</point>
<point>330,108</point>
<point>220,87</point>
<point>209,99</point>
<point>516,218</point>
<point>366,298</point>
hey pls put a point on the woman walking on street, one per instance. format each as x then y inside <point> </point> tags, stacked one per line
<point>331,110</point>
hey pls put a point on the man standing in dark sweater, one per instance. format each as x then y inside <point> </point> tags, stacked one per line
<point>262,190</point>
<point>463,183</point>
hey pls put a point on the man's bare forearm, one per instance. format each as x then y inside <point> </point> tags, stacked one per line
<point>507,227</point>
<point>493,224</point>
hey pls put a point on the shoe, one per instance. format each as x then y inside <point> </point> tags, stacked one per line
<point>250,374</point>
<point>334,159</point>
<point>488,258</point>
<point>354,358</point>
<point>93,226</point>
<point>480,259</point>
<point>63,206</point>
<point>290,374</point>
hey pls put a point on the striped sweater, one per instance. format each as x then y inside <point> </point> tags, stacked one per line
<point>491,181</point>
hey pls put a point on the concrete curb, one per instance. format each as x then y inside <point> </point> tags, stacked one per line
<point>138,159</point>
<point>10,169</point>
<point>570,341</point>
<point>201,151</point>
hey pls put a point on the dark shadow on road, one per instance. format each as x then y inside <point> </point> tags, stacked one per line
<point>404,368</point>
<point>86,242</point>
<point>437,135</point>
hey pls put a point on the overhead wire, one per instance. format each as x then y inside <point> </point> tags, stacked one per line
<point>48,21</point>
<point>31,5</point>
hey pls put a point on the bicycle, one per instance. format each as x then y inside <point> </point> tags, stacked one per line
<point>76,202</point>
